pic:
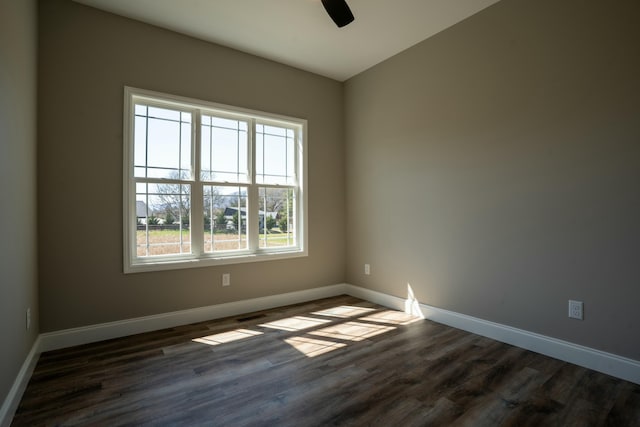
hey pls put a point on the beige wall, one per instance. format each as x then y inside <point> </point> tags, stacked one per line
<point>18,268</point>
<point>86,57</point>
<point>496,169</point>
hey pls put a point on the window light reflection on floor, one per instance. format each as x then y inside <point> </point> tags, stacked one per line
<point>344,311</point>
<point>332,329</point>
<point>226,337</point>
<point>295,323</point>
<point>312,347</point>
<point>392,317</point>
<point>352,331</point>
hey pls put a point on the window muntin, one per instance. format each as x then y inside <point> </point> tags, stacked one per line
<point>207,184</point>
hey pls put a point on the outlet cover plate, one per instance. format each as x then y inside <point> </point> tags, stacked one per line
<point>226,279</point>
<point>575,309</point>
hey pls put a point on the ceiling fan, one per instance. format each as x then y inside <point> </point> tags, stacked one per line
<point>339,11</point>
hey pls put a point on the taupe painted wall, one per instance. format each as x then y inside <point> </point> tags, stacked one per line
<point>86,57</point>
<point>18,267</point>
<point>496,169</point>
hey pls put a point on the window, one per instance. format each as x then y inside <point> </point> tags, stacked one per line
<point>207,184</point>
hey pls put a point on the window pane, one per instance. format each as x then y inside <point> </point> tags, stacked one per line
<point>185,152</point>
<point>225,218</point>
<point>162,216</point>
<point>224,149</point>
<point>140,145</point>
<point>164,113</point>
<point>275,155</point>
<point>205,153</point>
<point>140,110</point>
<point>162,143</point>
<point>276,217</point>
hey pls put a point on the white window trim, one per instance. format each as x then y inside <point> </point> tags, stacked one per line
<point>134,264</point>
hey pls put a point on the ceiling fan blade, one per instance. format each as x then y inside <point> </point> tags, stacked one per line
<point>339,11</point>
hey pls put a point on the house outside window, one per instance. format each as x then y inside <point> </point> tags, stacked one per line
<point>209,184</point>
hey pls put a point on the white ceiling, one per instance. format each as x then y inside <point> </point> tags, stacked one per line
<point>299,32</point>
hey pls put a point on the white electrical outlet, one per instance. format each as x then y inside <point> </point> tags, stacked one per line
<point>367,269</point>
<point>28,318</point>
<point>226,279</point>
<point>575,309</point>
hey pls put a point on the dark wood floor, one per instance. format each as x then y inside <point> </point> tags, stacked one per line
<point>336,361</point>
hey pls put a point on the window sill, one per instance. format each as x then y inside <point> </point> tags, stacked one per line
<point>183,263</point>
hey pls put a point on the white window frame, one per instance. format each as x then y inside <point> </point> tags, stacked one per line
<point>199,258</point>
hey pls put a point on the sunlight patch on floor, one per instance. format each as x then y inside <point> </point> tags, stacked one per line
<point>344,311</point>
<point>225,337</point>
<point>341,325</point>
<point>391,316</point>
<point>311,347</point>
<point>352,331</point>
<point>295,323</point>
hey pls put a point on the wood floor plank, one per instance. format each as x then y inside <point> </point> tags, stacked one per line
<point>625,409</point>
<point>335,361</point>
<point>500,404</point>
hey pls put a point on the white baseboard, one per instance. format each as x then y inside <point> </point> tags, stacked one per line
<point>611,364</point>
<point>12,400</point>
<point>88,334</point>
